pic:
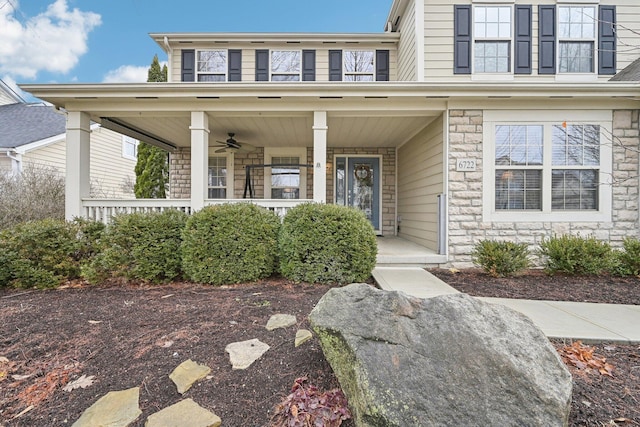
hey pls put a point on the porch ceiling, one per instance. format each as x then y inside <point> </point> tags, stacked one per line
<point>290,130</point>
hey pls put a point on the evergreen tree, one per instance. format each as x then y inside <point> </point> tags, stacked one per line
<point>152,168</point>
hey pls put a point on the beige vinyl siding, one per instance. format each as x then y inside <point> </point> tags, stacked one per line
<point>420,181</point>
<point>438,43</point>
<point>5,163</point>
<point>110,172</point>
<point>322,57</point>
<point>407,46</point>
<point>112,175</point>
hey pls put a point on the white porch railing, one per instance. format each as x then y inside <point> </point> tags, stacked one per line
<point>104,209</point>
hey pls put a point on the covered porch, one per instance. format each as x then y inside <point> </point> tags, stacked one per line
<point>346,139</point>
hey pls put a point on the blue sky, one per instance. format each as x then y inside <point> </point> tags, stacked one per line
<point>89,41</point>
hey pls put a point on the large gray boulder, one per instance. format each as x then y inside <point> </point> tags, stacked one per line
<point>450,360</point>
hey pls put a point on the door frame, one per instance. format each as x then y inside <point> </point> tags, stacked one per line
<point>379,189</point>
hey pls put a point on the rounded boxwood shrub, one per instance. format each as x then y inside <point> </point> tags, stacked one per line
<point>40,254</point>
<point>501,258</point>
<point>230,243</point>
<point>576,255</point>
<point>326,244</point>
<point>143,246</point>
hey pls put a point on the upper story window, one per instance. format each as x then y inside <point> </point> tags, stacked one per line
<point>286,65</point>
<point>359,65</point>
<point>129,147</point>
<point>576,39</point>
<point>212,65</point>
<point>492,39</point>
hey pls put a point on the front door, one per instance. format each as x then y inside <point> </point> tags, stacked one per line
<point>358,185</point>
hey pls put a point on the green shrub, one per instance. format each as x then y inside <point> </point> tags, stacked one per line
<point>40,254</point>
<point>326,244</point>
<point>576,255</point>
<point>501,259</point>
<point>626,262</point>
<point>230,243</point>
<point>143,246</point>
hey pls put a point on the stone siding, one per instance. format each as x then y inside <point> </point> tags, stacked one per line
<point>466,226</point>
<point>180,174</point>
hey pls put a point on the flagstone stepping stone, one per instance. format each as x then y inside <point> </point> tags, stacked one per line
<point>114,409</point>
<point>302,336</point>
<point>280,321</point>
<point>186,413</point>
<point>187,373</point>
<point>243,354</point>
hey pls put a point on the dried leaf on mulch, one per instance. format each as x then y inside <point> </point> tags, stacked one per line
<point>583,358</point>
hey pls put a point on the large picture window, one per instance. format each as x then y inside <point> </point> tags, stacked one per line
<point>492,39</point>
<point>577,35</point>
<point>212,65</point>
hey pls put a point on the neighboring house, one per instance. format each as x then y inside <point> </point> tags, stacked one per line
<point>35,135</point>
<point>464,120</point>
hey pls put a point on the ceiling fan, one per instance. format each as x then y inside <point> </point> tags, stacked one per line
<point>234,146</point>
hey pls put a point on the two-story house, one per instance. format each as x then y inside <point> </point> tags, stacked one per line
<point>462,120</point>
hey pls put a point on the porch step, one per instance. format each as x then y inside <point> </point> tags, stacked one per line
<point>412,281</point>
<point>397,252</point>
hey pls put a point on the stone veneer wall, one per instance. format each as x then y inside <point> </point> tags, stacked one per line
<point>180,177</point>
<point>465,191</point>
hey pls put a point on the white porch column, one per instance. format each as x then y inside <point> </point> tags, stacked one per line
<point>320,156</point>
<point>199,158</point>
<point>77,182</point>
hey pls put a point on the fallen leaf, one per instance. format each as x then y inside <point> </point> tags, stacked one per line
<point>4,360</point>
<point>95,322</point>
<point>623,420</point>
<point>20,377</point>
<point>82,382</point>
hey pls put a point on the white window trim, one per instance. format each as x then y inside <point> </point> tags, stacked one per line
<point>351,73</point>
<point>603,118</point>
<point>271,152</point>
<point>226,68</point>
<point>230,170</point>
<point>271,73</point>
<point>128,140</point>
<point>585,76</point>
<point>508,75</point>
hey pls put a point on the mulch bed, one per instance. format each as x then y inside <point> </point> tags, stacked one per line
<point>129,335</point>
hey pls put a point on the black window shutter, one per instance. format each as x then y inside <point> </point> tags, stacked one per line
<point>523,39</point>
<point>262,65</point>
<point>188,65</point>
<point>382,65</point>
<point>335,65</point>
<point>308,65</point>
<point>462,39</point>
<point>547,39</point>
<point>235,65</point>
<point>607,40</point>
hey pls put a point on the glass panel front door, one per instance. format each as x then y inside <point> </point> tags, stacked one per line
<point>358,185</point>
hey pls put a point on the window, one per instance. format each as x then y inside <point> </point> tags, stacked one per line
<point>576,38</point>
<point>217,178</point>
<point>286,65</point>
<point>285,179</point>
<point>492,39</point>
<point>212,65</point>
<point>129,147</point>
<point>359,65</point>
<point>548,170</point>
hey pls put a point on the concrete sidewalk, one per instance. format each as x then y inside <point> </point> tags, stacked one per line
<point>589,322</point>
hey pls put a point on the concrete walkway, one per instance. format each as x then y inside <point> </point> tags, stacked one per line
<point>589,322</point>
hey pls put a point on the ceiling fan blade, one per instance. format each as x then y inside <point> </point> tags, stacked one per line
<point>221,150</point>
<point>246,148</point>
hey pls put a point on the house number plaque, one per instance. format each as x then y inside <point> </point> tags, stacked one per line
<point>466,165</point>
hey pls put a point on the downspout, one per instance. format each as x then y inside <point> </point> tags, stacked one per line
<point>169,59</point>
<point>16,161</point>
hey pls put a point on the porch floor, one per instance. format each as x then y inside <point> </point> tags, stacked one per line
<point>395,251</point>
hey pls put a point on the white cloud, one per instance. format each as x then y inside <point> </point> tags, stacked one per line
<point>129,74</point>
<point>52,41</point>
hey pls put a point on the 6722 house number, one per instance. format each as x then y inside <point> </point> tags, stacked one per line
<point>466,165</point>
